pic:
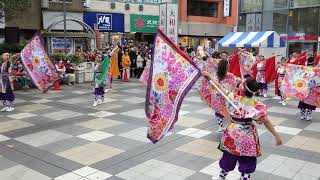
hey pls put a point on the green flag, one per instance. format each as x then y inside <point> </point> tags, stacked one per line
<point>104,70</point>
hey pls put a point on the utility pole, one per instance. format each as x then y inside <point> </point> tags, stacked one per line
<point>65,26</point>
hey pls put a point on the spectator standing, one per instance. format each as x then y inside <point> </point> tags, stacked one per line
<point>140,65</point>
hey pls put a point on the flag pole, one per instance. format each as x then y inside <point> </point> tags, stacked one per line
<point>225,96</point>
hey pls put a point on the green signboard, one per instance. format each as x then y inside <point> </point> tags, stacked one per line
<point>143,23</point>
<point>141,1</point>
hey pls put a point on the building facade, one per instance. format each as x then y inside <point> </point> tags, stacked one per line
<point>203,21</point>
<point>78,36</point>
<point>23,28</point>
<point>128,21</point>
<point>297,21</point>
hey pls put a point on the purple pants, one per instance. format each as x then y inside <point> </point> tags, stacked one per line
<point>263,86</point>
<point>218,115</point>
<point>99,91</point>
<point>9,96</point>
<point>303,105</point>
<point>246,164</point>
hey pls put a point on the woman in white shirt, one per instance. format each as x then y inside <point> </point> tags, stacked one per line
<point>140,61</point>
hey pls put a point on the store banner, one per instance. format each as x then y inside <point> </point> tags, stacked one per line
<point>106,22</point>
<point>226,8</point>
<point>143,23</point>
<point>172,22</point>
<point>163,17</point>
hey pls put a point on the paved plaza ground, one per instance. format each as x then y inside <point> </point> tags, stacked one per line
<point>60,136</point>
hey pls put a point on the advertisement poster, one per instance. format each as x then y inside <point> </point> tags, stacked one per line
<point>57,45</point>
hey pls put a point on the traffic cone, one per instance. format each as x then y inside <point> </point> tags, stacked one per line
<point>56,85</point>
<point>125,76</point>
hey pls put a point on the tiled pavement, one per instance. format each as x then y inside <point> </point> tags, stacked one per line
<point>59,136</point>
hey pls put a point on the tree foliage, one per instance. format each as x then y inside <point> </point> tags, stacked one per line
<point>14,8</point>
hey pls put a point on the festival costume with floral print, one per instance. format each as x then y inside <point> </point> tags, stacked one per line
<point>241,137</point>
<point>38,65</point>
<point>281,71</point>
<point>247,62</point>
<point>6,87</point>
<point>172,74</point>
<point>145,74</point>
<point>102,76</point>
<point>211,96</point>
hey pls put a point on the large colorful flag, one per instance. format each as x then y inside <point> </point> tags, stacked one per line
<point>302,82</point>
<point>172,74</point>
<point>234,65</point>
<point>38,65</point>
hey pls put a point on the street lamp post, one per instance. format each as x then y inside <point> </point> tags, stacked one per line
<point>65,26</point>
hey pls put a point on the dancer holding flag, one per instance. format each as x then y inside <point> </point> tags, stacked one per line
<point>261,75</point>
<point>101,71</point>
<point>6,86</point>
<point>240,141</point>
<point>305,107</point>
<point>113,69</point>
<point>219,69</point>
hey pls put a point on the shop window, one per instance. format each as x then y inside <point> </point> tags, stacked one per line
<point>280,21</point>
<point>280,4</point>
<point>60,1</point>
<point>304,3</point>
<point>251,5</point>
<point>303,21</point>
<point>113,5</point>
<point>127,7</point>
<point>140,7</point>
<point>202,8</point>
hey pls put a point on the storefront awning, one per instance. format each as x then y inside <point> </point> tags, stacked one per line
<point>252,39</point>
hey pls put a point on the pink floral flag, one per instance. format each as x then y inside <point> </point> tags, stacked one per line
<point>172,74</point>
<point>38,65</point>
<point>302,82</point>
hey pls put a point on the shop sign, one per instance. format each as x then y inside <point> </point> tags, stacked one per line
<point>143,23</point>
<point>105,22</point>
<point>140,1</point>
<point>171,23</point>
<point>226,8</point>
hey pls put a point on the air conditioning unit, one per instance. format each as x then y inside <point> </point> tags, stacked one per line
<point>140,7</point>
<point>45,4</point>
<point>127,7</point>
<point>113,5</point>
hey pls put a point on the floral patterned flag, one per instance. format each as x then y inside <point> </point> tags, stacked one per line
<point>302,82</point>
<point>38,65</point>
<point>172,74</point>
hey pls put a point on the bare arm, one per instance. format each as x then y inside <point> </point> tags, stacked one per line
<point>269,126</point>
